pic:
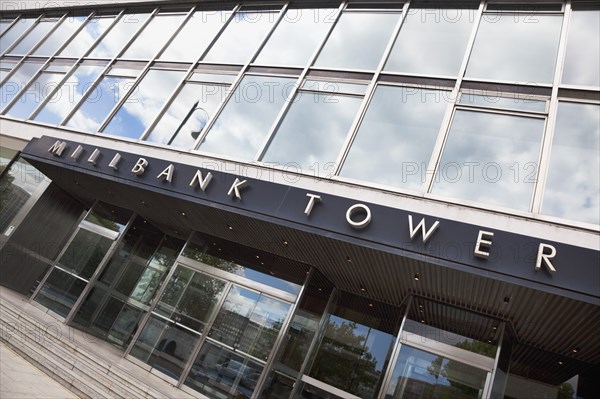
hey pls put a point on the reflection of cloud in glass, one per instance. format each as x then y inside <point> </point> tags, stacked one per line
<point>18,79</point>
<point>15,31</point>
<point>26,176</point>
<point>35,93</point>
<point>490,158</point>
<point>573,186</point>
<point>516,48</point>
<point>86,37</point>
<point>118,36</point>
<point>153,37</point>
<point>582,60</point>
<point>33,37</point>
<point>59,36</point>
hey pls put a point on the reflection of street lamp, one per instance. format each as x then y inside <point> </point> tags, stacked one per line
<point>194,133</point>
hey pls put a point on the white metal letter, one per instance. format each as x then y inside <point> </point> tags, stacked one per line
<point>140,167</point>
<point>202,182</point>
<point>421,226</point>
<point>235,188</point>
<point>483,244</point>
<point>57,148</point>
<point>167,174</point>
<point>94,157</point>
<point>357,208</point>
<point>77,153</point>
<point>311,202</point>
<point>115,161</point>
<point>545,257</point>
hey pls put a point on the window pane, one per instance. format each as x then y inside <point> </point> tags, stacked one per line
<point>248,116</point>
<point>396,137</point>
<point>153,37</point>
<point>490,158</point>
<point>86,37</point>
<point>59,36</point>
<point>199,101</point>
<point>492,100</point>
<point>297,36</point>
<point>300,139</point>
<point>4,24</point>
<point>516,48</point>
<point>242,36</point>
<point>69,94</point>
<point>16,81</point>
<point>357,40</point>
<point>33,37</point>
<point>572,189</point>
<point>84,253</point>
<point>60,292</point>
<point>195,36</point>
<point>582,61</point>
<point>118,36</point>
<point>35,94</point>
<point>14,32</point>
<point>140,109</point>
<point>432,42</point>
<point>99,102</point>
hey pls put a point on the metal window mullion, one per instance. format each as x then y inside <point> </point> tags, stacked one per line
<point>24,34</point>
<point>436,153</point>
<point>369,93</point>
<point>548,137</point>
<point>99,269</point>
<point>71,273</point>
<point>236,82</point>
<point>279,340</point>
<point>488,390</point>
<point>47,35</point>
<point>295,89</point>
<point>14,21</point>
<point>136,81</point>
<point>100,76</point>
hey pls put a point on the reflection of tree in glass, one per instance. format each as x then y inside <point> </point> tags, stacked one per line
<point>6,187</point>
<point>101,221</point>
<point>565,391</point>
<point>200,255</point>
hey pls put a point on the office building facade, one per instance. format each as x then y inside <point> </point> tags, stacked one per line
<point>372,199</point>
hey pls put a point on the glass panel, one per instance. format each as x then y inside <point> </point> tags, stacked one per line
<point>153,37</point>
<point>38,32</point>
<point>144,103</point>
<point>582,60</point>
<point>432,42</point>
<point>60,292</point>
<point>120,33</point>
<point>492,100</point>
<point>221,373</point>
<point>69,94</point>
<point>401,126</point>
<point>59,36</point>
<point>109,216</point>
<point>4,24</point>
<point>86,37</point>
<point>490,158</point>
<point>247,117</point>
<point>35,93</point>
<point>196,36</point>
<point>84,253</point>
<point>516,48</point>
<point>421,374</point>
<point>335,87</point>
<point>244,33</point>
<point>297,36</point>
<point>17,80</point>
<point>572,189</point>
<point>184,120</point>
<point>299,140</point>
<point>14,32</point>
<point>99,102</point>
<point>358,40</point>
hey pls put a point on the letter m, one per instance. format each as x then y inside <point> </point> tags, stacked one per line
<point>421,227</point>
<point>57,148</point>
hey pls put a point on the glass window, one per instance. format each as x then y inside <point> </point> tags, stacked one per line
<point>490,158</point>
<point>396,137</point>
<point>59,36</point>
<point>35,93</point>
<point>311,135</point>
<point>4,24</point>
<point>69,94</point>
<point>358,40</point>
<point>118,36</point>
<point>38,32</point>
<point>153,37</point>
<point>9,37</point>
<point>144,103</point>
<point>195,36</point>
<point>242,36</point>
<point>17,81</point>
<point>247,117</point>
<point>297,36</point>
<point>432,42</point>
<point>515,48</point>
<point>572,188</point>
<point>86,37</point>
<point>99,102</point>
<point>493,100</point>
<point>184,120</point>
<point>582,60</point>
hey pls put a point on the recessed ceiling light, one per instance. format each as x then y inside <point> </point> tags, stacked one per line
<point>229,227</point>
<point>363,289</point>
<point>182,213</point>
<point>348,259</point>
<point>257,256</point>
<point>285,242</point>
<point>370,305</point>
<point>417,276</point>
<point>575,350</point>
<point>422,320</point>
<point>506,300</point>
<point>560,362</point>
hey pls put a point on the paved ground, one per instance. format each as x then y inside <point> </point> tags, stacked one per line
<point>19,379</point>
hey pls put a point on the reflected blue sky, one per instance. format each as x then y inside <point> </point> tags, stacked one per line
<point>118,35</point>
<point>14,32</point>
<point>33,37</point>
<point>17,81</point>
<point>35,93</point>
<point>59,36</point>
<point>86,36</point>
